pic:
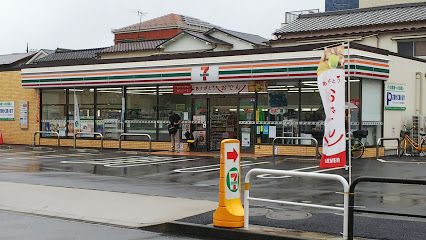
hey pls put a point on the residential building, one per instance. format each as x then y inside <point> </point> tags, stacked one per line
<point>404,32</point>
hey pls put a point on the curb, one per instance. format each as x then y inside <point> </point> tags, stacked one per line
<point>210,232</point>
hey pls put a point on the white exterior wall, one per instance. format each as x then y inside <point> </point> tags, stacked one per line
<point>187,43</point>
<point>376,3</point>
<point>403,71</point>
<point>388,41</point>
<point>238,44</point>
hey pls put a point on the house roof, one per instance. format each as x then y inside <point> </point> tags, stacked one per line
<point>167,21</point>
<point>191,55</point>
<point>133,46</point>
<point>65,54</point>
<point>14,57</point>
<point>200,36</point>
<point>364,17</point>
<point>251,38</point>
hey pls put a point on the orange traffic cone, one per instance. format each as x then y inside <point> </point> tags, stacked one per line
<point>1,138</point>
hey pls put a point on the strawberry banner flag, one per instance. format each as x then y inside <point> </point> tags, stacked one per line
<point>331,85</point>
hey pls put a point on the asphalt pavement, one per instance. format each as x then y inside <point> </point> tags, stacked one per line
<point>197,178</point>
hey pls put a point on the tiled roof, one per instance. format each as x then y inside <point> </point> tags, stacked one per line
<point>65,54</point>
<point>14,57</point>
<point>255,39</point>
<point>364,17</point>
<point>169,20</point>
<point>207,38</point>
<point>133,46</point>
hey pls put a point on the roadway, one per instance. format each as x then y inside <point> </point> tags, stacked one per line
<point>197,178</point>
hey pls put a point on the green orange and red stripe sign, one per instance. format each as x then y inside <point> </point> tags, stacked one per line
<point>295,69</point>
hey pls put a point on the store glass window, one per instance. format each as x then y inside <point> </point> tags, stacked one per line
<point>277,111</point>
<point>355,104</point>
<point>372,107</point>
<point>312,113</point>
<point>53,111</point>
<point>199,122</point>
<point>180,104</point>
<point>108,112</point>
<point>141,111</point>
<point>85,99</point>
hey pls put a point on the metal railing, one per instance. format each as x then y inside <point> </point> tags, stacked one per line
<point>380,142</point>
<point>135,134</point>
<point>45,132</point>
<point>376,180</point>
<point>89,133</point>
<point>317,154</point>
<point>334,177</point>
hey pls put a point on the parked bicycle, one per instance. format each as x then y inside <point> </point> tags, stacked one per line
<point>357,146</point>
<point>409,146</point>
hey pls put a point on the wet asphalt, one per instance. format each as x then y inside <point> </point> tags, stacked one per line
<point>197,178</point>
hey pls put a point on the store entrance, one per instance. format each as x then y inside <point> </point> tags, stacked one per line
<point>223,124</point>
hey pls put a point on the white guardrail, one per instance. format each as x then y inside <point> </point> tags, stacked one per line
<point>334,177</point>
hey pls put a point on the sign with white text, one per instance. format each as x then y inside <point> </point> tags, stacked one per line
<point>7,111</point>
<point>23,114</point>
<point>395,96</point>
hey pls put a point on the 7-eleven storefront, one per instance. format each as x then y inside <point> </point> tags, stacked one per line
<point>253,96</point>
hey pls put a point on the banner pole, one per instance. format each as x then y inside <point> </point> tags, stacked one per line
<point>349,113</point>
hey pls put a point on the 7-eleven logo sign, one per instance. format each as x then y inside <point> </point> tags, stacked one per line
<point>205,74</point>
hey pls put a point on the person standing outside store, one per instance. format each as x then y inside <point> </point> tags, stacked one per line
<point>174,127</point>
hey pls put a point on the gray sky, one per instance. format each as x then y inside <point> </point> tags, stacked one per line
<point>88,23</point>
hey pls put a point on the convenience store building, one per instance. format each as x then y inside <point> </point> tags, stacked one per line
<point>252,95</point>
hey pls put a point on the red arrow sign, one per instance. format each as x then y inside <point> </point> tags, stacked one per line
<point>232,155</point>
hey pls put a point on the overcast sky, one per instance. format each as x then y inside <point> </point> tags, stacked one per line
<point>78,24</point>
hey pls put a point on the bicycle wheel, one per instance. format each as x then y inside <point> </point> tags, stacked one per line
<point>357,149</point>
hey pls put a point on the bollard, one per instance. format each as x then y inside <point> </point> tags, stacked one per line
<point>230,212</point>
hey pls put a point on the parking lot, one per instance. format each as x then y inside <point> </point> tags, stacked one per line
<point>197,178</point>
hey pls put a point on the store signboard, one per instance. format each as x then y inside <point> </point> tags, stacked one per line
<point>216,88</point>
<point>23,114</point>
<point>395,96</point>
<point>205,73</point>
<point>219,88</point>
<point>7,111</point>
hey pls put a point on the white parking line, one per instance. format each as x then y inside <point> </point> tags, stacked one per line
<point>269,176</point>
<point>384,161</point>
<point>118,160</point>
<point>102,161</point>
<point>152,163</point>
<point>299,169</point>
<point>214,167</point>
<point>131,161</point>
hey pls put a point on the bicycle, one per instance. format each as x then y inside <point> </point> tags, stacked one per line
<point>357,146</point>
<point>408,142</point>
